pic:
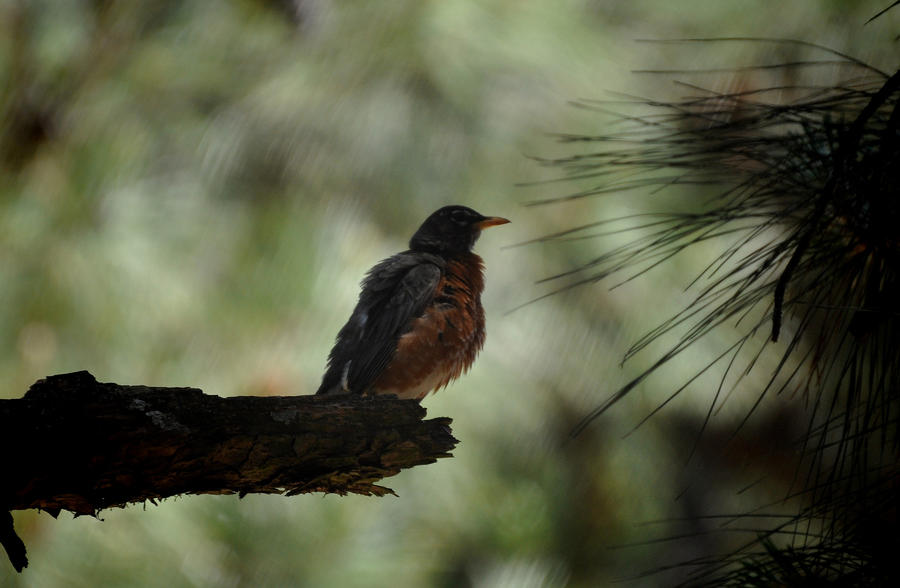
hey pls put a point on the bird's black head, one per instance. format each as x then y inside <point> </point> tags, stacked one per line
<point>452,229</point>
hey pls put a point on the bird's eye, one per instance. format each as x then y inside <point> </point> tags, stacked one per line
<point>459,217</point>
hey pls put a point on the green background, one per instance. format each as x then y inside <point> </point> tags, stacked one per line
<point>190,193</point>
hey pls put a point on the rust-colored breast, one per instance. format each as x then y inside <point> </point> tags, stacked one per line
<point>443,343</point>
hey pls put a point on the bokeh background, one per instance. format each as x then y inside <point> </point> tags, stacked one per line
<point>191,191</point>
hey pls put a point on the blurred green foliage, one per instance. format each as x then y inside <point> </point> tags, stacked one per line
<point>190,192</point>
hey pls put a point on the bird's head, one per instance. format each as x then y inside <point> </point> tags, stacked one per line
<point>452,229</point>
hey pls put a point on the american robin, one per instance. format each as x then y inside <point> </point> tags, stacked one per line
<point>419,322</point>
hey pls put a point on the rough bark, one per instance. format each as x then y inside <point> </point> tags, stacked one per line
<point>72,443</point>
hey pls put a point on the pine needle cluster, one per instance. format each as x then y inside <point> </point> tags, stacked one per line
<point>801,181</point>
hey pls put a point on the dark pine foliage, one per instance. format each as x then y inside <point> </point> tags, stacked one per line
<point>801,182</point>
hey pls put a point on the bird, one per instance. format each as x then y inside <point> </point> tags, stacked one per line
<point>419,322</point>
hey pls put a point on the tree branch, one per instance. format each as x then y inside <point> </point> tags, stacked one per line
<point>76,444</point>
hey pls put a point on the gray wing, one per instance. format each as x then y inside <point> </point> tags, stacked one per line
<point>395,292</point>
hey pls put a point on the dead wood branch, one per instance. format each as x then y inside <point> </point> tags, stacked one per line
<point>72,443</point>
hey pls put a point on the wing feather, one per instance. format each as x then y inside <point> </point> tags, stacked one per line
<point>395,292</point>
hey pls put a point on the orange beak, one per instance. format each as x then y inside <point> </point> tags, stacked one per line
<point>491,221</point>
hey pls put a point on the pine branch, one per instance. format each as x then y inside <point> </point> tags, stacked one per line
<point>72,443</point>
<point>795,182</point>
